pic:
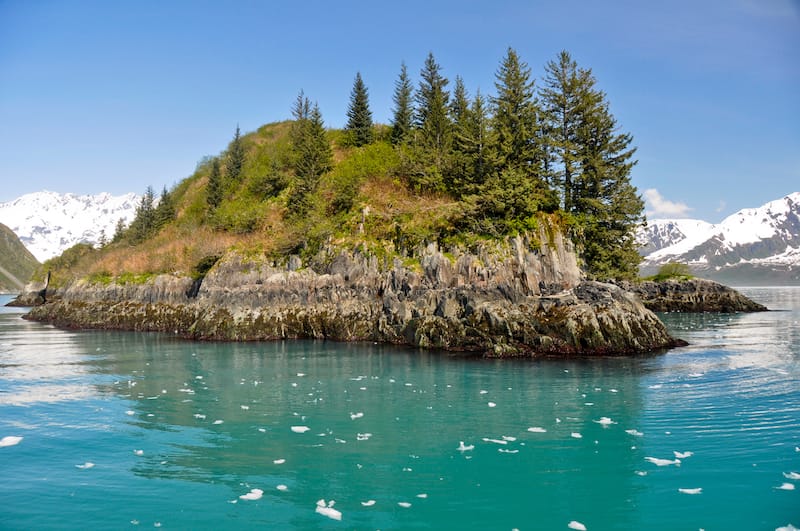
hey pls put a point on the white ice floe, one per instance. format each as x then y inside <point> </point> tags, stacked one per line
<point>300,429</point>
<point>640,473</point>
<point>86,465</point>
<point>404,504</point>
<point>484,391</point>
<point>340,441</point>
<point>328,510</point>
<point>465,447</point>
<point>10,440</point>
<point>656,386</point>
<point>244,407</point>
<point>791,475</point>
<point>576,435</point>
<point>683,455</point>
<point>509,438</point>
<point>537,429</point>
<point>363,436</point>
<point>492,404</point>
<point>282,488</point>
<point>219,421</point>
<point>129,412</point>
<point>495,441</point>
<point>787,527</point>
<point>786,486</point>
<point>504,451</point>
<point>300,374</point>
<point>605,422</point>
<point>279,461</point>
<point>422,495</point>
<point>577,526</point>
<point>368,503</point>
<point>635,433</point>
<point>698,490</point>
<point>138,452</point>
<point>199,416</point>
<point>254,494</point>
<point>354,416</point>
<point>663,462</point>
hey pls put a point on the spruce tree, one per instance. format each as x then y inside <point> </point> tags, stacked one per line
<point>403,108</point>
<point>214,188</point>
<point>433,125</point>
<point>359,116</point>
<point>143,224</point>
<point>471,136</point>
<point>165,211</point>
<point>312,154</point>
<point>235,160</point>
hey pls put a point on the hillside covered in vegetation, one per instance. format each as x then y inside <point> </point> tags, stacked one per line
<point>452,168</point>
<point>17,264</point>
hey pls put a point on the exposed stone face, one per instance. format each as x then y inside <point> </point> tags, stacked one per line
<point>516,298</point>
<point>695,295</point>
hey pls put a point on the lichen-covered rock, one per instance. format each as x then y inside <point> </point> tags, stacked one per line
<point>694,295</point>
<point>513,298</point>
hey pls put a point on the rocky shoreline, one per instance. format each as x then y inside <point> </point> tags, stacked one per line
<point>523,297</point>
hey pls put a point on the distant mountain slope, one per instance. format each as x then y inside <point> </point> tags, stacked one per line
<point>757,245</point>
<point>47,223</point>
<point>17,264</point>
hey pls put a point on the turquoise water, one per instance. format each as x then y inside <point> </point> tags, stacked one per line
<point>123,430</point>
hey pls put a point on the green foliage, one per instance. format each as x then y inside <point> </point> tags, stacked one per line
<point>214,188</point>
<point>402,121</point>
<point>359,117</point>
<point>312,154</point>
<point>204,266</point>
<point>17,264</point>
<point>234,161</point>
<point>371,161</point>
<point>239,216</point>
<point>144,224</point>
<point>165,211</point>
<point>672,271</point>
<point>434,129</point>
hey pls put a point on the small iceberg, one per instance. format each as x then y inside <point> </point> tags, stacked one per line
<point>138,452</point>
<point>354,416</point>
<point>328,510</point>
<point>683,455</point>
<point>368,503</point>
<point>405,505</point>
<point>663,462</point>
<point>300,429</point>
<point>635,433</point>
<point>363,436</point>
<point>254,494</point>
<point>279,461</point>
<point>791,475</point>
<point>492,404</point>
<point>282,488</point>
<point>576,435</point>
<point>495,441</point>
<point>605,422</point>
<point>465,447</point>
<point>86,465</point>
<point>691,491</point>
<point>10,440</point>
<point>537,429</point>
<point>577,526</point>
<point>786,486</point>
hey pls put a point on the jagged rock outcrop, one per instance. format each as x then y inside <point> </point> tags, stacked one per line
<point>694,295</point>
<point>521,297</point>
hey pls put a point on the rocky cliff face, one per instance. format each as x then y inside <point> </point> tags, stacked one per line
<point>521,297</point>
<point>696,295</point>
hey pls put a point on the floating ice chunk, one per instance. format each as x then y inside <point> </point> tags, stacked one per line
<point>130,412</point>
<point>656,386</point>
<point>787,527</point>
<point>663,462</point>
<point>613,390</point>
<point>635,433</point>
<point>492,404</point>
<point>537,429</point>
<point>495,441</point>
<point>199,416</point>
<point>87,464</point>
<point>138,452</point>
<point>340,441</point>
<point>300,429</point>
<point>696,375</point>
<point>691,491</point>
<point>484,391</point>
<point>10,440</point>
<point>683,455</point>
<point>465,447</point>
<point>558,420</point>
<point>797,448</point>
<point>300,374</point>
<point>605,422</point>
<point>279,461</point>
<point>504,451</point>
<point>354,416</point>
<point>368,503</point>
<point>786,486</point>
<point>254,494</point>
<point>404,504</point>
<point>363,436</point>
<point>244,407</point>
<point>791,475</point>
<point>407,469</point>
<point>198,377</point>
<point>576,435</point>
<point>640,473</point>
<point>218,421</point>
<point>577,526</point>
<point>422,495</point>
<point>282,488</point>
<point>262,430</point>
<point>509,438</point>
<point>328,510</point>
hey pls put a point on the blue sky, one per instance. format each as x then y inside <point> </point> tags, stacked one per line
<point>115,96</point>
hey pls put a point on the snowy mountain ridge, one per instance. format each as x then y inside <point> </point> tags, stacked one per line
<point>753,241</point>
<point>48,223</point>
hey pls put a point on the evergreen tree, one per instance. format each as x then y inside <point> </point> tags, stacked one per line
<point>433,124</point>
<point>593,162</point>
<point>515,118</point>
<point>359,117</point>
<point>143,225</point>
<point>403,108</point>
<point>214,189</point>
<point>119,230</point>
<point>471,135</point>
<point>165,211</point>
<point>235,160</point>
<point>459,105</point>
<point>312,154</point>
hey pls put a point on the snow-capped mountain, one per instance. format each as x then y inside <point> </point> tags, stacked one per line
<point>49,222</point>
<point>753,242</point>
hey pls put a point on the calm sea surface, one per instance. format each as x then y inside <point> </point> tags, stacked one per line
<point>121,430</point>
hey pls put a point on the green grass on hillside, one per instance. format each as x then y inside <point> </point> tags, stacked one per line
<point>17,264</point>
